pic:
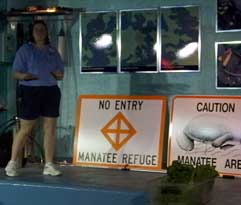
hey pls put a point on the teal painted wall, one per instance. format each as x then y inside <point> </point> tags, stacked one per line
<point>3,4</point>
<point>3,71</point>
<point>168,84</point>
<point>25,3</point>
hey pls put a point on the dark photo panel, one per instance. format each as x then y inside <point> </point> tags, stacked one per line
<point>228,15</point>
<point>228,65</point>
<point>179,39</point>
<point>99,51</point>
<point>139,41</point>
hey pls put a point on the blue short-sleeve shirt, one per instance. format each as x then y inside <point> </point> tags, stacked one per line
<point>39,62</point>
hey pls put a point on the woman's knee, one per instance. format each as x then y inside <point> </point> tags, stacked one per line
<point>26,127</point>
<point>25,131</point>
<point>49,126</point>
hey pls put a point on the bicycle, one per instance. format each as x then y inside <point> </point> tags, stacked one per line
<point>7,130</point>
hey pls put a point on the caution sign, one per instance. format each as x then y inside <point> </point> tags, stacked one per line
<point>120,132</point>
<point>206,130</point>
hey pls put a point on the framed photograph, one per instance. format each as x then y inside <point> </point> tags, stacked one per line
<point>179,36</point>
<point>228,64</point>
<point>139,41</point>
<point>99,50</point>
<point>228,15</point>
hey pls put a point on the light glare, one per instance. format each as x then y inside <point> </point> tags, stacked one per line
<point>187,51</point>
<point>104,41</point>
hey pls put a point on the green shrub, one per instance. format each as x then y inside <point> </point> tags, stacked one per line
<point>179,173</point>
<point>186,184</point>
<point>204,172</point>
<point>186,173</point>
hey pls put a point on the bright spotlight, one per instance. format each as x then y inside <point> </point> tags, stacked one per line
<point>104,41</point>
<point>187,51</point>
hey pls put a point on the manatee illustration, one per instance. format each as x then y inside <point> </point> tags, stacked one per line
<point>208,129</point>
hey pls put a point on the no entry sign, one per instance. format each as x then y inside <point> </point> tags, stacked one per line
<point>120,131</point>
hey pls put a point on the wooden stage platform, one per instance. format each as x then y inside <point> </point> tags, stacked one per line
<point>77,185</point>
<point>91,186</point>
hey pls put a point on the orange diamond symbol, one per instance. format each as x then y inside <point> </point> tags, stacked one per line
<point>118,131</point>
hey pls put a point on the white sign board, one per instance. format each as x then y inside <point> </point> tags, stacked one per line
<point>207,130</point>
<point>120,132</point>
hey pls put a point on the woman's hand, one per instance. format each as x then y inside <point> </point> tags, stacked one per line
<point>58,75</point>
<point>24,76</point>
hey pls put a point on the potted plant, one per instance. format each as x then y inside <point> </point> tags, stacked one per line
<point>186,184</point>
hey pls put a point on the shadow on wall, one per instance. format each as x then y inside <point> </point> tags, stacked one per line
<point>70,92</point>
<point>3,23</point>
<point>155,84</point>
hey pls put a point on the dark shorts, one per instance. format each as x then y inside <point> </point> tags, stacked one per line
<point>34,102</point>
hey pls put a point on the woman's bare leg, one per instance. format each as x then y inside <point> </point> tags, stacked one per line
<point>49,146</point>
<point>49,124</point>
<point>26,127</point>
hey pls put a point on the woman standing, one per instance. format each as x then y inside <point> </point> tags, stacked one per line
<point>37,66</point>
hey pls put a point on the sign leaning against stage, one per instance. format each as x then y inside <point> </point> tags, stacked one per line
<point>206,130</point>
<point>124,132</point>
